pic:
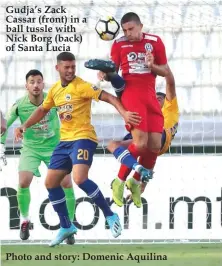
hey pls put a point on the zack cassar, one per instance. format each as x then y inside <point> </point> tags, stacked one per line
<point>137,258</point>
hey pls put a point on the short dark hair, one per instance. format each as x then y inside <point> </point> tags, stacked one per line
<point>65,56</point>
<point>33,72</point>
<point>130,16</point>
<point>161,94</point>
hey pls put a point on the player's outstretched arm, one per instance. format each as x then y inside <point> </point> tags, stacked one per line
<point>130,117</point>
<point>170,86</point>
<point>39,113</point>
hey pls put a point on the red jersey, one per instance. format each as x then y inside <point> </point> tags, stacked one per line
<point>130,58</point>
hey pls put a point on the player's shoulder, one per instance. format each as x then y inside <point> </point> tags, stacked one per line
<point>121,39</point>
<point>80,84</point>
<point>170,105</point>
<point>151,37</point>
<point>119,42</point>
<point>55,85</point>
<point>21,100</point>
<point>79,81</point>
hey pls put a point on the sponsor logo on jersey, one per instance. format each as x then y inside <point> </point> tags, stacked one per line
<point>148,47</point>
<point>127,45</point>
<point>65,107</point>
<point>132,56</point>
<point>65,117</point>
<point>68,97</point>
<point>152,38</point>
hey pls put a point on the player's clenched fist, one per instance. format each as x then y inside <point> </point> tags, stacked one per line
<point>149,59</point>
<point>132,118</point>
<point>19,133</point>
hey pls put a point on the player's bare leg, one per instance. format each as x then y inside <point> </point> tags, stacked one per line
<point>57,198</point>
<point>80,177</point>
<point>23,198</point>
<point>70,202</point>
<point>154,141</point>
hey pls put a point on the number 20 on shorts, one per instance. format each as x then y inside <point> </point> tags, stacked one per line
<point>83,155</point>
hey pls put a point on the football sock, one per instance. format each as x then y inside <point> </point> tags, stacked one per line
<point>93,191</point>
<point>24,198</point>
<point>134,151</point>
<point>124,171</point>
<point>148,161</point>
<point>58,200</point>
<point>117,82</point>
<point>124,157</point>
<point>70,202</point>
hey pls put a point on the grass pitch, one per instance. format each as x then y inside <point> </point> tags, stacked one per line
<point>121,255</point>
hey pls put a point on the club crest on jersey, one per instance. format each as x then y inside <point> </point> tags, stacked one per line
<point>65,117</point>
<point>68,97</point>
<point>95,88</point>
<point>132,56</point>
<point>148,47</point>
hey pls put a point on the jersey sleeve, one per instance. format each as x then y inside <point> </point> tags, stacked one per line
<point>48,102</point>
<point>89,91</point>
<point>115,54</point>
<point>171,106</point>
<point>11,117</point>
<point>160,55</point>
<point>170,112</point>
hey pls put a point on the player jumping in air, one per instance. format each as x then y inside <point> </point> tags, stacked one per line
<point>170,110</point>
<point>73,96</point>
<point>133,54</point>
<point>38,144</point>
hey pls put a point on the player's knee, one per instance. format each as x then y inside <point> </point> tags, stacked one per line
<point>67,182</point>
<point>51,182</point>
<point>155,147</point>
<point>141,146</point>
<point>24,184</point>
<point>79,180</point>
<point>113,145</point>
<point>80,173</point>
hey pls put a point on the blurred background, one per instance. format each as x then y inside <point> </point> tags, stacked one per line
<point>192,33</point>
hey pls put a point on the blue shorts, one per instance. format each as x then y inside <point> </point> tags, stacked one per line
<point>68,153</point>
<point>163,140</point>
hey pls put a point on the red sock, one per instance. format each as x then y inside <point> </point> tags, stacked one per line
<point>124,171</point>
<point>148,161</point>
<point>133,150</point>
<point>137,175</point>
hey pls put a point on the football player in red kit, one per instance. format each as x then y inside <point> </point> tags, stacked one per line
<point>141,57</point>
<point>134,54</point>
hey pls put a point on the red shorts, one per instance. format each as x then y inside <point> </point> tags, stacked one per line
<point>149,110</point>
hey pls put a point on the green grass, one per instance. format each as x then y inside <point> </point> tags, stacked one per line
<point>177,255</point>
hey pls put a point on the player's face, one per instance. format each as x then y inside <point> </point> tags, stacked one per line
<point>132,31</point>
<point>160,99</point>
<point>34,85</point>
<point>67,70</point>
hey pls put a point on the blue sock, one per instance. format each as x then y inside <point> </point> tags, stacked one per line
<point>58,200</point>
<point>125,157</point>
<point>92,190</point>
<point>117,82</point>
